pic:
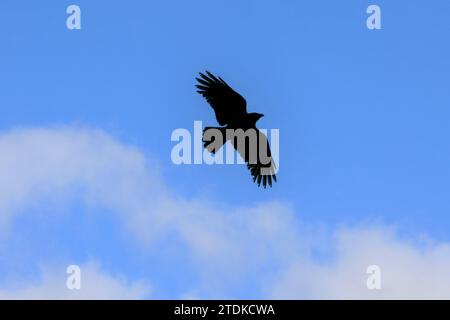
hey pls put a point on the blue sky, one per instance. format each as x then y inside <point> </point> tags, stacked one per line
<point>363,118</point>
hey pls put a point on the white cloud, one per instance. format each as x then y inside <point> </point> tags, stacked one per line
<point>408,270</point>
<point>45,165</point>
<point>40,165</point>
<point>95,284</point>
<point>265,246</point>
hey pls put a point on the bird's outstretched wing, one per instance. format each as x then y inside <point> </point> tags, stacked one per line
<point>261,165</point>
<point>228,105</point>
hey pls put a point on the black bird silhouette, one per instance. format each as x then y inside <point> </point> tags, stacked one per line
<point>231,113</point>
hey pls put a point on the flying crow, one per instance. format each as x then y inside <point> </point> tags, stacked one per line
<point>231,113</point>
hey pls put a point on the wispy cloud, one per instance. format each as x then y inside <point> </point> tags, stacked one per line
<point>409,270</point>
<point>262,251</point>
<point>96,284</point>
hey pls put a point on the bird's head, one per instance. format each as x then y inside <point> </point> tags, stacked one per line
<point>254,116</point>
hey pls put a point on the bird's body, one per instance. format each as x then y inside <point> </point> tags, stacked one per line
<point>231,113</point>
<point>246,122</point>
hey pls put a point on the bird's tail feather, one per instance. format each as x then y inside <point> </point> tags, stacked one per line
<point>212,142</point>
